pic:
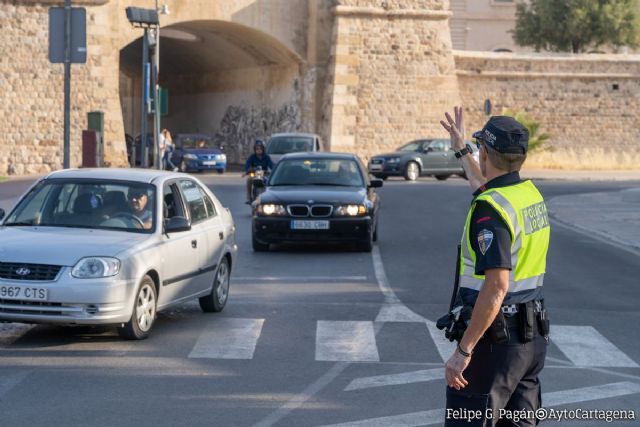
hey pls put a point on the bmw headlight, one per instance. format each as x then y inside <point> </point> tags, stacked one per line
<point>393,160</point>
<point>271,210</point>
<point>351,210</point>
<point>96,267</point>
<point>190,156</point>
<point>222,157</point>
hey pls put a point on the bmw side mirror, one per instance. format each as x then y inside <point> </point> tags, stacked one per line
<point>375,183</point>
<point>427,150</point>
<point>177,224</point>
<point>2,213</point>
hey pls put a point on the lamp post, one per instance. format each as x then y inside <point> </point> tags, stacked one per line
<point>164,10</point>
<point>148,20</point>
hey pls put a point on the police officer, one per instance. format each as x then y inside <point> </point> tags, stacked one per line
<point>502,264</point>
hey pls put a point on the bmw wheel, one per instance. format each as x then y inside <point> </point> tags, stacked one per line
<point>217,299</point>
<point>411,171</point>
<point>144,312</point>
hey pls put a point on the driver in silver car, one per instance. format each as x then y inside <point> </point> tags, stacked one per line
<point>138,202</point>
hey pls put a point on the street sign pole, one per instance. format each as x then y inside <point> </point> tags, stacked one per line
<point>67,84</point>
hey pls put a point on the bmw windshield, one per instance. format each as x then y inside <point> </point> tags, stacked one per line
<point>98,204</point>
<point>289,144</point>
<point>332,172</point>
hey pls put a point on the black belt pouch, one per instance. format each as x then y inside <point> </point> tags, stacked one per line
<point>527,317</point>
<point>498,332</point>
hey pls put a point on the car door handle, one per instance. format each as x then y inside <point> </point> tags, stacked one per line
<point>221,235</point>
<point>194,244</point>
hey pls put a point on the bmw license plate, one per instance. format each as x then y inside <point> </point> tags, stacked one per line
<point>26,293</point>
<point>209,163</point>
<point>309,225</point>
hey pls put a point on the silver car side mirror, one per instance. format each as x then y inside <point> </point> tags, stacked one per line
<point>177,224</point>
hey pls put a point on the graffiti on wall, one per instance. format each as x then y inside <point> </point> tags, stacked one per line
<point>241,126</point>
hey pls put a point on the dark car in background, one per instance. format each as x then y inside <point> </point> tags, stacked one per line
<point>423,157</point>
<point>196,152</point>
<point>280,144</point>
<point>317,197</point>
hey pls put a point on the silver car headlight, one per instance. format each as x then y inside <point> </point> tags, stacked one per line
<point>190,156</point>
<point>271,210</point>
<point>393,160</point>
<point>222,157</point>
<point>96,267</point>
<point>351,210</point>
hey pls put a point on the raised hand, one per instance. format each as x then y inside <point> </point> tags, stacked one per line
<point>455,128</point>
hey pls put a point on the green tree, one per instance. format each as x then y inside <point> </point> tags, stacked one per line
<point>577,25</point>
<point>537,140</point>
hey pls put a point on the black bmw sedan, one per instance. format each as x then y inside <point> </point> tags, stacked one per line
<point>317,197</point>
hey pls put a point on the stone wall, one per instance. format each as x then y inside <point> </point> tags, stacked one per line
<point>588,103</point>
<point>393,72</point>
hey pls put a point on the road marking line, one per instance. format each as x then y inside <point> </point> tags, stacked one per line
<point>413,419</point>
<point>555,398</point>
<point>396,379</point>
<point>444,346</point>
<point>338,341</point>
<point>9,381</point>
<point>299,278</point>
<point>228,338</point>
<point>585,394</point>
<point>398,313</point>
<point>390,297</point>
<point>585,346</point>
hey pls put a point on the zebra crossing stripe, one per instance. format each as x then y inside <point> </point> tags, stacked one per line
<point>585,346</point>
<point>396,379</point>
<point>228,338</point>
<point>338,341</point>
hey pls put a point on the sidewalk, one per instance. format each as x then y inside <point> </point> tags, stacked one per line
<point>613,216</point>
<point>555,174</point>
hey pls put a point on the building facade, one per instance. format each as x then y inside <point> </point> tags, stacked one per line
<point>368,75</point>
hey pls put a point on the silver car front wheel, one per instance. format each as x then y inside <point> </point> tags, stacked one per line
<point>144,312</point>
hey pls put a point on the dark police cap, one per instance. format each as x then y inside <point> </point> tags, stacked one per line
<point>505,135</point>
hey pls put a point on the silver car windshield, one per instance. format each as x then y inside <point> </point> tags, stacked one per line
<point>99,204</point>
<point>336,172</point>
<point>289,144</point>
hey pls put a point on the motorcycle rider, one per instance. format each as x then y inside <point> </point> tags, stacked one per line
<point>258,159</point>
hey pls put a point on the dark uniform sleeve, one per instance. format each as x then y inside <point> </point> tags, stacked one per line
<point>490,239</point>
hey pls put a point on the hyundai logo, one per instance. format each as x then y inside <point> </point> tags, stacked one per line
<point>23,271</point>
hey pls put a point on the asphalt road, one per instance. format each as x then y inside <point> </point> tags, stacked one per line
<point>318,336</point>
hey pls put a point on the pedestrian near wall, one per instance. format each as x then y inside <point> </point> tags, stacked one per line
<point>166,150</point>
<point>502,347</point>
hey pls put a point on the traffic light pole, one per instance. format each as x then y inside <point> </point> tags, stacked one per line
<point>144,154</point>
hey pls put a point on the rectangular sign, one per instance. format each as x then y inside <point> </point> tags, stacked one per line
<point>78,51</point>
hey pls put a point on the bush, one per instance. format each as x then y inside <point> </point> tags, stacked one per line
<point>537,140</point>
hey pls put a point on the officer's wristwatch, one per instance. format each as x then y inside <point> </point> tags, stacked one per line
<point>466,150</point>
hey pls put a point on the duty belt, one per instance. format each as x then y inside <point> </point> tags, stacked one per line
<point>513,308</point>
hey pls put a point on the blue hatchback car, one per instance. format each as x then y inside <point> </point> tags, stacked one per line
<point>195,153</point>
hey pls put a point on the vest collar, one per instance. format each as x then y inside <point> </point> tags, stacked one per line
<point>511,178</point>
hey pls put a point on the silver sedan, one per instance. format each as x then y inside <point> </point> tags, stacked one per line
<point>114,246</point>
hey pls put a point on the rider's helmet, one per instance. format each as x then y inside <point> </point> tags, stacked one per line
<point>258,143</point>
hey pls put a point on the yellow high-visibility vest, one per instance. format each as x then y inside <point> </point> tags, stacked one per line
<point>522,208</point>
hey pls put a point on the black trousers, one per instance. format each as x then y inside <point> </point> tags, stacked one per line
<point>501,377</point>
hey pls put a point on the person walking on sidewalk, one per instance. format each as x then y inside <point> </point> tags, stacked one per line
<point>502,265</point>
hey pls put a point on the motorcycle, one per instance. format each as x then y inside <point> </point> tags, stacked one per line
<point>259,179</point>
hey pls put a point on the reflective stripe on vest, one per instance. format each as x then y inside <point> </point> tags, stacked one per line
<point>522,208</point>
